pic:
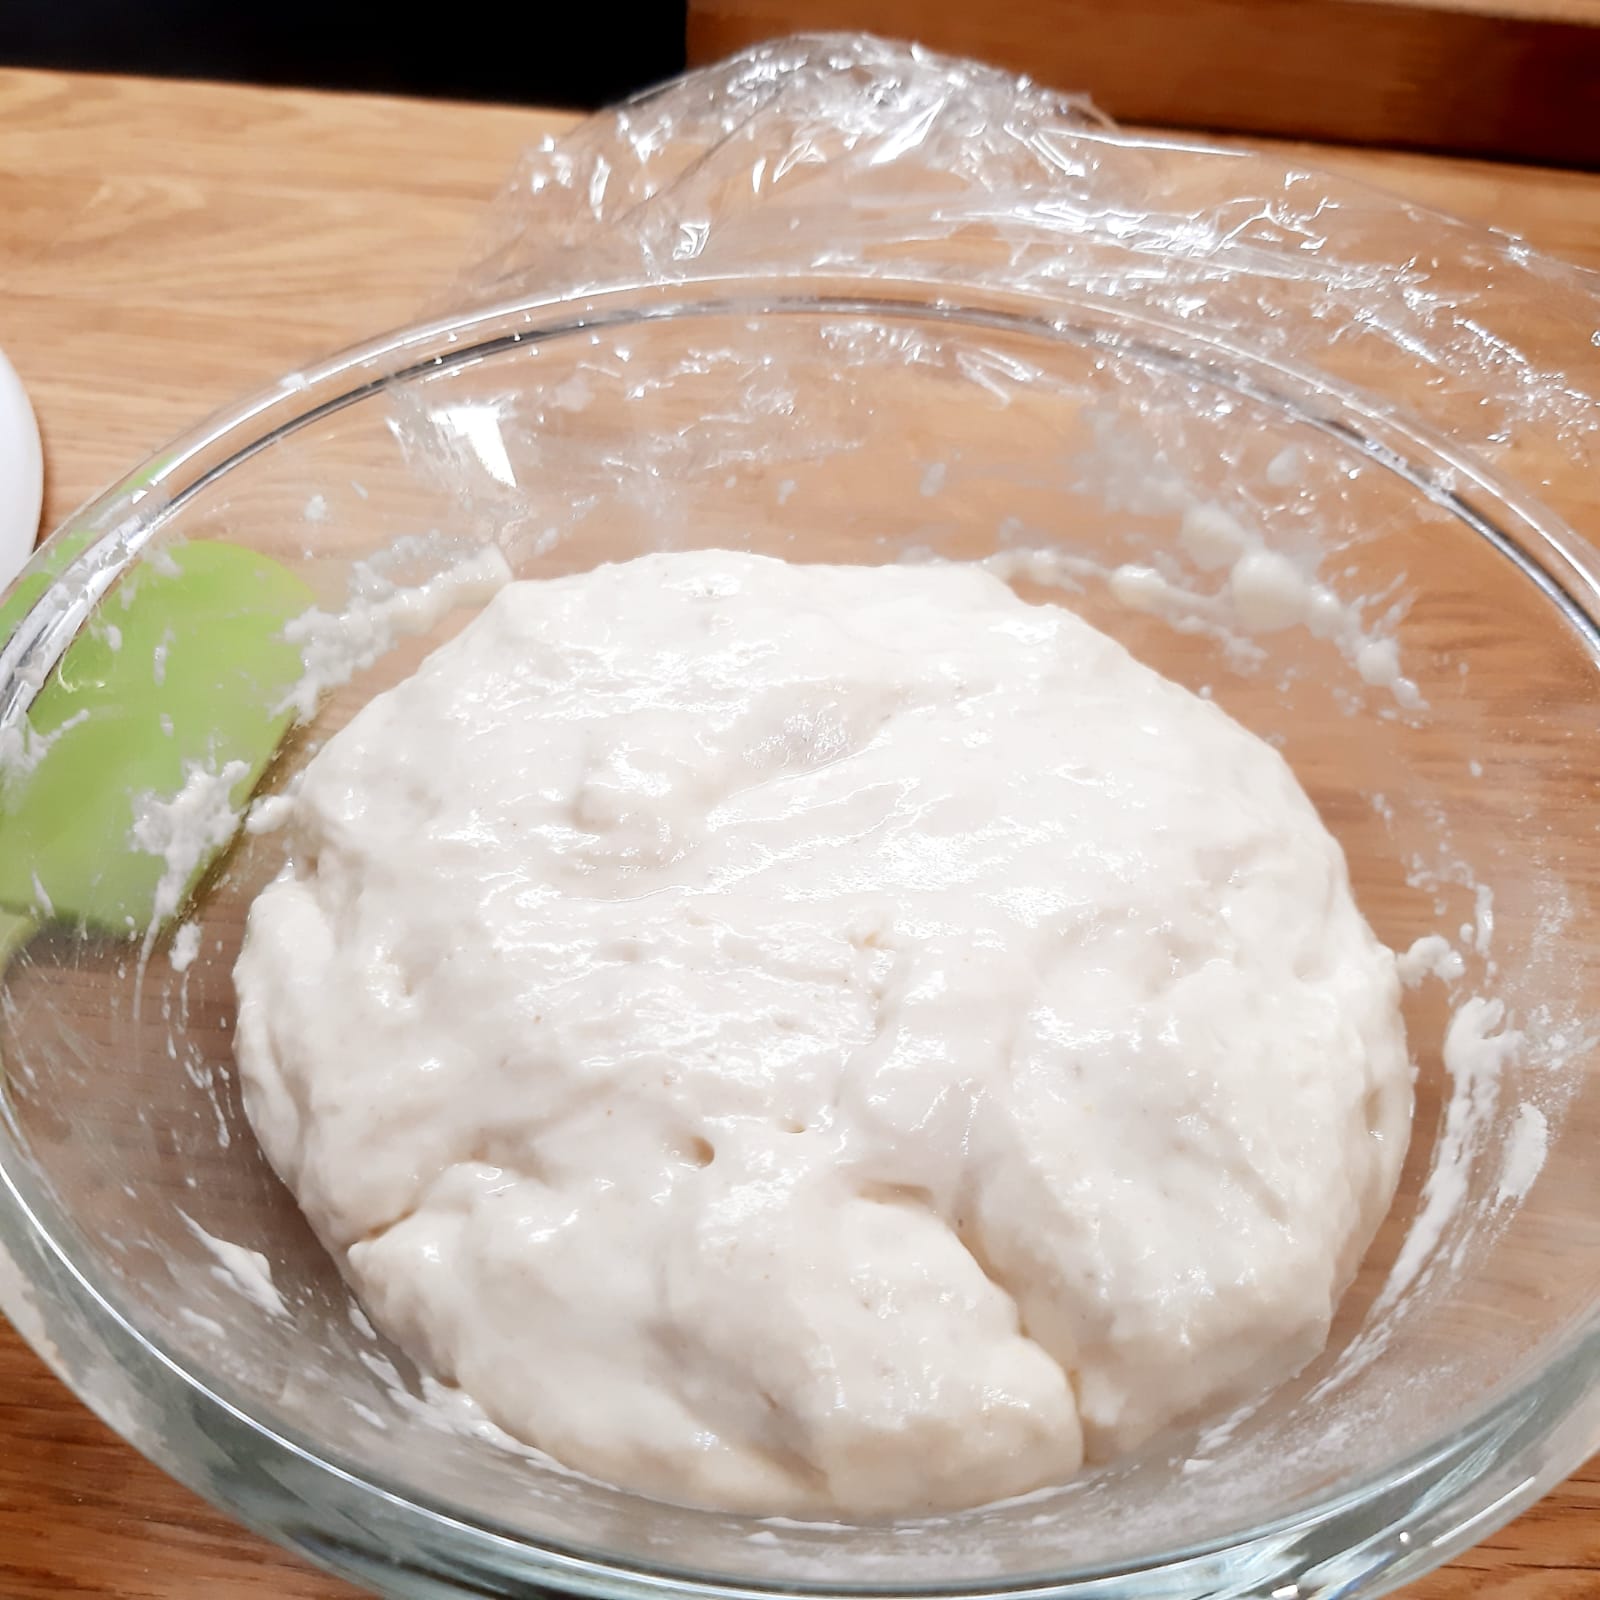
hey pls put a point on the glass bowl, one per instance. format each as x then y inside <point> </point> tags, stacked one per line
<point>1445,729</point>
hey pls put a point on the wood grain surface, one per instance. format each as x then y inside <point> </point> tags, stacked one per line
<point>1517,78</point>
<point>164,247</point>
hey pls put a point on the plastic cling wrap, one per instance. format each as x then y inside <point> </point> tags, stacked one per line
<point>848,158</point>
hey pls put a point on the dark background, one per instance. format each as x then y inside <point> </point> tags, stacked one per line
<point>568,53</point>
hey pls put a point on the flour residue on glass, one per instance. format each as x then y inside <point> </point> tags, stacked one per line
<point>378,612</point>
<point>185,946</point>
<point>242,1269</point>
<point>22,748</point>
<point>185,829</point>
<point>1236,588</point>
<point>1430,956</point>
<point>1478,1045</point>
<point>1525,1152</point>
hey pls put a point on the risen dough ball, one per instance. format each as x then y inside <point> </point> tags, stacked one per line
<point>821,1039</point>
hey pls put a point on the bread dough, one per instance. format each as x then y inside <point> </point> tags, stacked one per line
<point>821,1040</point>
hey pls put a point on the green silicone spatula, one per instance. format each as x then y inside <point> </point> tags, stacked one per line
<point>183,667</point>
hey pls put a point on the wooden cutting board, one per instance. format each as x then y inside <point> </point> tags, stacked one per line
<point>165,247</point>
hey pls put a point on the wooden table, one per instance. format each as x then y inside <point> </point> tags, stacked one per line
<point>165,247</point>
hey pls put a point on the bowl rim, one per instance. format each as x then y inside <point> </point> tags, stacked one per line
<point>1442,1516</point>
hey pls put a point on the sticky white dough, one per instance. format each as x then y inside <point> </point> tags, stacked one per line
<point>821,1040</point>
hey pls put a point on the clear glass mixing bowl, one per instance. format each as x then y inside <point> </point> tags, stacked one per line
<point>840,425</point>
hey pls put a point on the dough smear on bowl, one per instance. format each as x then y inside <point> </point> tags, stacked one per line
<point>821,1040</point>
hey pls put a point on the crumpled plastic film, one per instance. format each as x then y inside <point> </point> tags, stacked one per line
<point>852,158</point>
